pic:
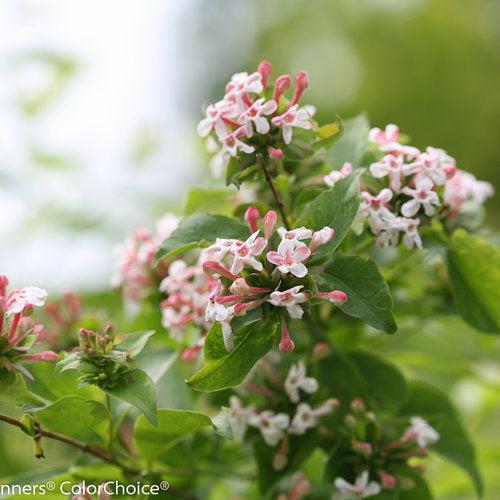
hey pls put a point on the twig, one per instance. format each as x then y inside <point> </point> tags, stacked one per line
<point>272,187</point>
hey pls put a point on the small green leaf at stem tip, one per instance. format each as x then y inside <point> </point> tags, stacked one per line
<point>200,231</point>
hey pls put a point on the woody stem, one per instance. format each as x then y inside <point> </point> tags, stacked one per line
<point>272,187</point>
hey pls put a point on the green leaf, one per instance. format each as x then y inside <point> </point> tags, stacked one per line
<point>225,369</point>
<point>474,273</point>
<point>173,425</point>
<point>222,424</point>
<point>199,231</point>
<point>368,294</point>
<point>139,391</point>
<point>134,343</point>
<point>383,380</point>
<point>335,207</point>
<point>351,147</point>
<point>81,418</point>
<point>329,134</point>
<point>454,443</point>
<point>208,200</point>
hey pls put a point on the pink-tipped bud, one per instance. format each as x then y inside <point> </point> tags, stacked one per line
<point>358,405</point>
<point>321,237</point>
<point>337,297</point>
<point>212,267</point>
<point>265,69</point>
<point>388,480</point>
<point>275,153</point>
<point>286,343</point>
<point>321,351</point>
<point>301,84</point>
<point>4,281</point>
<point>269,221</point>
<point>191,353</point>
<point>48,356</point>
<point>450,170</point>
<point>241,308</point>
<point>363,448</point>
<point>280,459</point>
<point>281,85</point>
<point>252,218</point>
<point>240,287</point>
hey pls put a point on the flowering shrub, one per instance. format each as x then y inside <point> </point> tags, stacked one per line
<point>251,353</point>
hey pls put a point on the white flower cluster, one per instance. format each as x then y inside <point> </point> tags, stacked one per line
<point>274,426</point>
<point>419,185</point>
<point>245,110</point>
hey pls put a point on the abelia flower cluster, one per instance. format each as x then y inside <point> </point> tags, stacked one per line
<point>275,426</point>
<point>370,458</point>
<point>417,186</point>
<point>134,272</point>
<point>253,117</point>
<point>250,276</point>
<point>188,289</point>
<point>18,333</point>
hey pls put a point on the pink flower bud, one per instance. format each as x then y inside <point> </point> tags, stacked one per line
<point>191,353</point>
<point>337,297</point>
<point>320,351</point>
<point>48,356</point>
<point>275,153</point>
<point>450,170</point>
<point>281,85</point>
<point>358,405</point>
<point>252,217</point>
<point>280,459</point>
<point>286,343</point>
<point>269,221</point>
<point>301,83</point>
<point>388,480</point>
<point>4,281</point>
<point>265,69</point>
<point>321,237</point>
<point>212,267</point>
<point>363,448</point>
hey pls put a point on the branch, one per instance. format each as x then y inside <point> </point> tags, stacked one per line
<point>86,448</point>
<point>272,187</point>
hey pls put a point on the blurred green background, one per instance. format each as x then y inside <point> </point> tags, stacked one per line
<point>430,66</point>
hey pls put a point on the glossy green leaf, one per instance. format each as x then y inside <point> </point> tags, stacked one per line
<point>368,294</point>
<point>384,381</point>
<point>335,207</point>
<point>173,425</point>
<point>225,369</point>
<point>81,418</point>
<point>134,343</point>
<point>454,443</point>
<point>474,273</point>
<point>140,391</point>
<point>199,231</point>
<point>352,146</point>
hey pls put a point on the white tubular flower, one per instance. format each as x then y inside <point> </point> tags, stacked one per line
<point>245,253</point>
<point>255,116</point>
<point>214,120</point>
<point>362,488</point>
<point>272,426</point>
<point>238,417</point>
<point>241,85</point>
<point>423,196</point>
<point>432,163</point>
<point>390,166</point>
<point>300,233</point>
<point>290,299</point>
<point>336,175</point>
<point>293,117</point>
<point>421,432</point>
<point>411,236</point>
<point>231,144</point>
<point>178,275</point>
<point>374,205</point>
<point>289,257</point>
<point>307,418</point>
<point>296,379</point>
<point>19,300</point>
<point>216,312</point>
<point>321,237</point>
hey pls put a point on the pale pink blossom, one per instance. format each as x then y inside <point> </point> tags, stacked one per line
<point>293,117</point>
<point>19,300</point>
<point>423,197</point>
<point>432,164</point>
<point>421,432</point>
<point>411,236</point>
<point>463,192</point>
<point>231,144</point>
<point>336,175</point>
<point>297,380</point>
<point>374,205</point>
<point>289,257</point>
<point>242,84</point>
<point>307,417</point>
<point>215,115</point>
<point>362,488</point>
<point>387,141</point>
<point>290,299</point>
<point>271,425</point>
<point>239,416</point>
<point>300,233</point>
<point>337,297</point>
<point>217,312</point>
<point>391,166</point>
<point>244,253</point>
<point>254,116</point>
<point>321,237</point>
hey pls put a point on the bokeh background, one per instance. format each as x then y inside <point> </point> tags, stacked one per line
<point>99,103</point>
